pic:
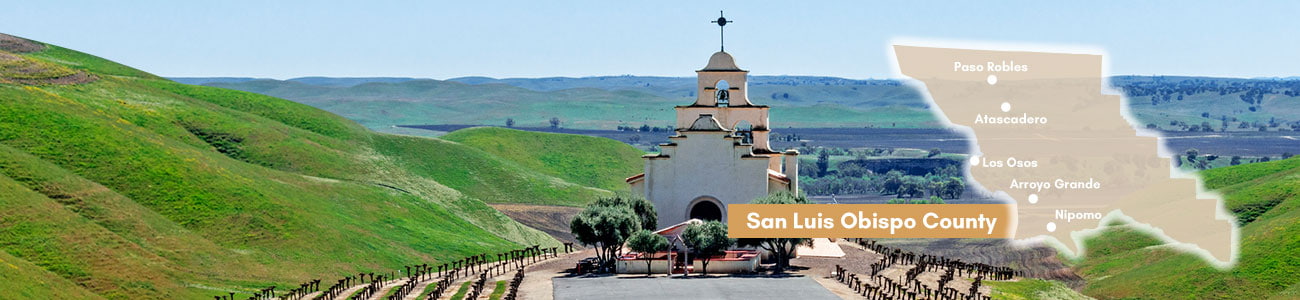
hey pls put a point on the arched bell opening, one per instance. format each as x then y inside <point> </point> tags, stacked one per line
<point>722,93</point>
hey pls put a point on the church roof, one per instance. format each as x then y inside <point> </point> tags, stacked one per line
<point>778,176</point>
<point>677,229</point>
<point>706,122</point>
<point>721,61</point>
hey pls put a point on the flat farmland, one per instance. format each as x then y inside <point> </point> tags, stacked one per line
<point>1243,143</point>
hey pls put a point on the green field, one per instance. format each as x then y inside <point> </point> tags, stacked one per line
<point>1124,263</point>
<point>131,186</point>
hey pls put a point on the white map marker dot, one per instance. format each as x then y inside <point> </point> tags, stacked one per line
<point>1033,198</point>
<point>1051,226</point>
<point>974,160</point>
<point>993,79</point>
<point>1006,106</point>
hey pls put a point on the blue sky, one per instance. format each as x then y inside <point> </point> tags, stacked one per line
<point>285,39</point>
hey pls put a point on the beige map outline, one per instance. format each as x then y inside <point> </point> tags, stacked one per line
<point>1088,136</point>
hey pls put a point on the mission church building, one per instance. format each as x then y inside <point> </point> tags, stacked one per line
<point>719,155</point>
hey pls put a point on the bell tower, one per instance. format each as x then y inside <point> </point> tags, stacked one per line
<point>722,92</point>
<point>722,79</point>
<point>719,154</point>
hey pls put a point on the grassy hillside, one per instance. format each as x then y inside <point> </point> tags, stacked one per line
<point>1123,263</point>
<point>18,276</point>
<point>128,186</point>
<point>590,161</point>
<point>481,175</point>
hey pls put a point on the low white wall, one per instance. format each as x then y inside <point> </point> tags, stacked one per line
<point>661,266</point>
<point>726,266</point>
<point>638,266</point>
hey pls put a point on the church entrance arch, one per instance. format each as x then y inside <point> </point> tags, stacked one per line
<point>705,208</point>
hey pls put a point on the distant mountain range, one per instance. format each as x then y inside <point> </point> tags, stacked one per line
<point>1278,78</point>
<point>1178,103</point>
<point>668,87</point>
<point>630,81</point>
<point>321,81</point>
<point>589,102</point>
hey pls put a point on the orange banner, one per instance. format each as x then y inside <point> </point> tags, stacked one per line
<point>870,221</point>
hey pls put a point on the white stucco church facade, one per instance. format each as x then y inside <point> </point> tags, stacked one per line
<point>719,154</point>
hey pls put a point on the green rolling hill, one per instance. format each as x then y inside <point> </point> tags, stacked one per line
<point>1124,263</point>
<point>119,184</point>
<point>561,155</point>
<point>19,275</point>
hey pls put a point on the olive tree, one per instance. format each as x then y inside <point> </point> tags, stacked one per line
<point>706,240</point>
<point>647,243</point>
<point>782,249</point>
<point>644,210</point>
<point>604,228</point>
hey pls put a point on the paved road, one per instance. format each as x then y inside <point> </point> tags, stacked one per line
<point>631,288</point>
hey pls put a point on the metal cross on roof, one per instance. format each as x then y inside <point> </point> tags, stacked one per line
<point>722,35</point>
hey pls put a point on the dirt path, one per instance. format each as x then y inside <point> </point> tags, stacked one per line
<point>821,269</point>
<point>553,220</point>
<point>19,45</point>
<point>308,296</point>
<point>537,278</point>
<point>839,289</point>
